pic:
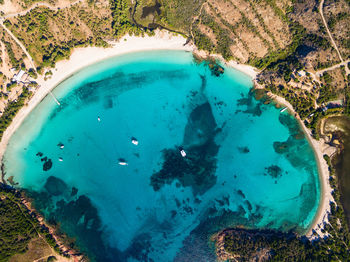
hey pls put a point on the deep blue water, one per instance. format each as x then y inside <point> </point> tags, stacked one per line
<point>246,164</point>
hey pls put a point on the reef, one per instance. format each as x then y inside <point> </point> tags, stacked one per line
<point>55,186</point>
<point>274,171</point>
<point>197,169</point>
<point>253,106</point>
<point>216,69</point>
<point>47,162</point>
<point>77,218</point>
<point>243,150</point>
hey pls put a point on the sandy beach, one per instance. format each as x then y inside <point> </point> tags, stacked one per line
<point>320,148</point>
<point>82,57</point>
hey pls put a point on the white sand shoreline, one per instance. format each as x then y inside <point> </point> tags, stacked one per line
<point>319,148</point>
<point>82,57</point>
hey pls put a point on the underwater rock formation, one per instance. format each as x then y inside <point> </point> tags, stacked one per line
<point>274,171</point>
<point>200,126</point>
<point>55,186</point>
<point>197,169</point>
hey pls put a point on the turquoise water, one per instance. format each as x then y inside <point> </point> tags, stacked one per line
<point>246,164</point>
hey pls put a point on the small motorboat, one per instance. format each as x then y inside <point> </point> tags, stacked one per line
<point>61,145</point>
<point>183,153</point>
<point>60,159</point>
<point>134,141</point>
<point>98,119</point>
<point>122,162</point>
<point>283,109</point>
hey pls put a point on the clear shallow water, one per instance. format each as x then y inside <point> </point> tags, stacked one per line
<point>246,164</point>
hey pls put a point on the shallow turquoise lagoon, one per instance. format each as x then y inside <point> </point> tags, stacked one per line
<point>246,163</point>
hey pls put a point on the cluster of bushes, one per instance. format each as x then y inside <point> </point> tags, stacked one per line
<point>347,101</point>
<point>262,23</point>
<point>331,21</point>
<point>122,23</point>
<point>47,46</point>
<point>202,41</point>
<point>11,110</point>
<point>302,101</point>
<point>13,61</point>
<point>179,13</point>
<point>224,41</point>
<point>283,58</point>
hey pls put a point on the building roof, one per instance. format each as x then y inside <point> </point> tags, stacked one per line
<point>17,77</point>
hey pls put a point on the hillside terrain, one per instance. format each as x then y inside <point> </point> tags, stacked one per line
<point>301,49</point>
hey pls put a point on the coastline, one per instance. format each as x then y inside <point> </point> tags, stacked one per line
<point>319,148</point>
<point>85,56</point>
<point>163,40</point>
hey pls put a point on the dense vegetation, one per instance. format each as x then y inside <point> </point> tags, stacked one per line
<point>50,35</point>
<point>12,109</point>
<point>16,229</point>
<point>122,23</point>
<point>277,246</point>
<point>18,225</point>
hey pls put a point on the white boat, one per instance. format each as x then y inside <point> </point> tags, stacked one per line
<point>283,109</point>
<point>122,162</point>
<point>134,141</point>
<point>62,146</point>
<point>183,153</point>
<point>60,159</point>
<point>98,119</point>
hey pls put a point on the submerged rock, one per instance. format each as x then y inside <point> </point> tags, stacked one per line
<point>274,171</point>
<point>243,150</point>
<point>47,164</point>
<point>55,186</point>
<point>197,169</point>
<point>200,127</point>
<point>74,191</point>
<point>216,69</point>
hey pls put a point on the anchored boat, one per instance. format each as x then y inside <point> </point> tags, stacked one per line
<point>134,141</point>
<point>122,162</point>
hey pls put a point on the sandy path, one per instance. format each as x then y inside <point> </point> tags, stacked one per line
<point>41,4</point>
<point>329,32</point>
<point>31,61</point>
<point>345,64</point>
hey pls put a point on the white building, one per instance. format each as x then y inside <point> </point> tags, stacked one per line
<point>301,73</point>
<point>19,76</point>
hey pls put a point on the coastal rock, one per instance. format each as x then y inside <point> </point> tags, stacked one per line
<point>47,164</point>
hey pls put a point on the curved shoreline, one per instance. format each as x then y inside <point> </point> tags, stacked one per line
<point>326,191</point>
<point>82,57</point>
